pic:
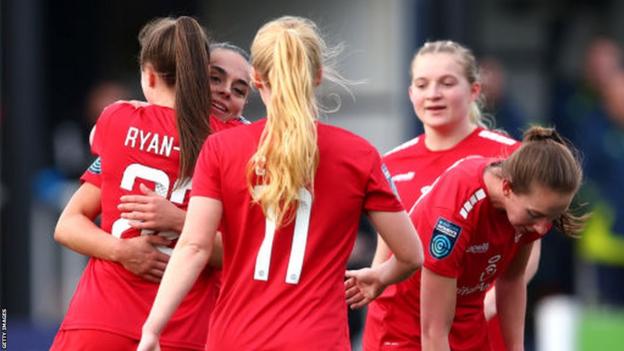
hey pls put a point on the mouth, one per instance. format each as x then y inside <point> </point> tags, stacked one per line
<point>218,106</point>
<point>435,108</point>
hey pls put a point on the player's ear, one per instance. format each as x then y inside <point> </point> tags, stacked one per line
<point>256,79</point>
<point>319,77</point>
<point>506,187</point>
<point>149,74</point>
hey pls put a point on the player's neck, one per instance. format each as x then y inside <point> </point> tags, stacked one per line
<point>166,100</point>
<point>493,186</point>
<point>439,139</point>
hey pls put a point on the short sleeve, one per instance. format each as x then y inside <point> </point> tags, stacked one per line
<point>93,174</point>
<point>97,138</point>
<point>445,238</point>
<point>381,193</point>
<point>207,175</point>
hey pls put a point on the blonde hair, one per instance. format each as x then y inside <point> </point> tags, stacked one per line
<point>467,60</point>
<point>287,53</point>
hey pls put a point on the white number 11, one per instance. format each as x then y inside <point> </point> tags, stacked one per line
<point>300,238</point>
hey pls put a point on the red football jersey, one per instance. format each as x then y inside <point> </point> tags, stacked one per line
<point>465,238</point>
<point>138,145</point>
<point>390,319</point>
<point>414,167</point>
<point>284,289</point>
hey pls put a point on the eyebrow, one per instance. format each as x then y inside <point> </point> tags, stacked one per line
<point>224,72</point>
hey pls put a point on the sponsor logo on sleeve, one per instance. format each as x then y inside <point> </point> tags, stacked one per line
<point>445,234</point>
<point>96,166</point>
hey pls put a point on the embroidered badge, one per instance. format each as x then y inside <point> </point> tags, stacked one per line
<point>445,234</point>
<point>96,166</point>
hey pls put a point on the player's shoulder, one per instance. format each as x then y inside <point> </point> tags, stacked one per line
<point>403,148</point>
<point>496,137</point>
<point>124,108</point>
<point>463,175</point>
<point>468,166</point>
<point>238,133</point>
<point>121,105</point>
<point>340,136</point>
<point>460,184</point>
<point>340,144</point>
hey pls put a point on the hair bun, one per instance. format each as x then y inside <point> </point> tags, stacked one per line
<point>542,134</point>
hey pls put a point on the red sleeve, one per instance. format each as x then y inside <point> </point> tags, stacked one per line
<point>93,174</point>
<point>100,130</point>
<point>445,237</point>
<point>97,139</point>
<point>381,193</point>
<point>207,175</point>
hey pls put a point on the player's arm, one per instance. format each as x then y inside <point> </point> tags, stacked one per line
<point>398,231</point>
<point>533,264</point>
<point>77,231</point>
<point>152,211</point>
<point>531,269</point>
<point>188,259</point>
<point>438,296</point>
<point>511,299</point>
<point>382,252</point>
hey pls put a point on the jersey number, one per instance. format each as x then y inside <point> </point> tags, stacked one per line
<point>300,238</point>
<point>161,180</point>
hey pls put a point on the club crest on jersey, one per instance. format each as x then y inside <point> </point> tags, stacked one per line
<point>445,234</point>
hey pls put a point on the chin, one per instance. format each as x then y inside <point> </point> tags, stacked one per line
<point>218,114</point>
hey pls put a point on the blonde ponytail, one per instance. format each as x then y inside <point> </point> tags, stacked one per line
<point>287,53</point>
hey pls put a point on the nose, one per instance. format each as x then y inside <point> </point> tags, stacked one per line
<point>223,89</point>
<point>433,92</point>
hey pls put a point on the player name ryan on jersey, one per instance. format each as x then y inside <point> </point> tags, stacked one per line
<point>150,142</point>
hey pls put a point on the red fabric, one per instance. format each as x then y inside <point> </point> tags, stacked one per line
<point>414,168</point>
<point>95,340</point>
<point>497,342</point>
<point>137,145</point>
<point>273,314</point>
<point>484,246</point>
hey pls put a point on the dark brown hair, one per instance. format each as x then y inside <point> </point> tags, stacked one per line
<point>547,159</point>
<point>178,49</point>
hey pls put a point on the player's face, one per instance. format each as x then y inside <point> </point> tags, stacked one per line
<point>535,211</point>
<point>229,83</point>
<point>440,93</point>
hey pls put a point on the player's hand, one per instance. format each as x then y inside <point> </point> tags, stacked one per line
<point>140,256</point>
<point>489,304</point>
<point>362,286</point>
<point>151,211</point>
<point>149,342</point>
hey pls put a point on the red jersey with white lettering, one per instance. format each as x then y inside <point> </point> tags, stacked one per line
<point>414,168</point>
<point>138,144</point>
<point>284,289</point>
<point>465,238</point>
